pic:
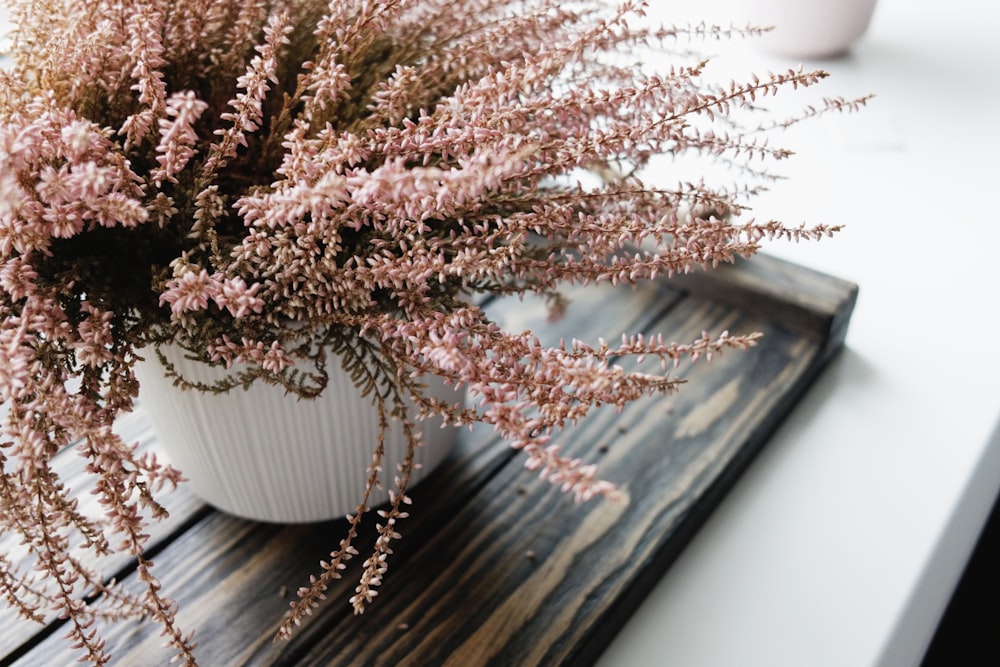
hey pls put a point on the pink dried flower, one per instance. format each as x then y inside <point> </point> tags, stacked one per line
<point>240,300</point>
<point>191,291</point>
<point>177,135</point>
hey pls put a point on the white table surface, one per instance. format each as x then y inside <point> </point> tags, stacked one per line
<point>842,543</point>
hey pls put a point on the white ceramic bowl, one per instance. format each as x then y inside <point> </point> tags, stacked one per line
<point>810,29</point>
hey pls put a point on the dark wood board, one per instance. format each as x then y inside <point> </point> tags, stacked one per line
<point>496,567</point>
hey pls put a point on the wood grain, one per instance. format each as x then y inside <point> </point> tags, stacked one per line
<point>496,567</point>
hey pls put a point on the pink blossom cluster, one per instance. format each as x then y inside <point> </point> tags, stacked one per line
<point>192,292</point>
<point>262,182</point>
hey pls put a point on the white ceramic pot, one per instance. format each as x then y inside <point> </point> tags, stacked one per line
<point>809,28</point>
<point>266,455</point>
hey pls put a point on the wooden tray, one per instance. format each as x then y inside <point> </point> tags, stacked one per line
<point>496,567</point>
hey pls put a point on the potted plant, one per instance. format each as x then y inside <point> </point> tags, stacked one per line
<point>285,192</point>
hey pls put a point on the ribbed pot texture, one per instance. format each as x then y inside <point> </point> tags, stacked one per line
<point>266,455</point>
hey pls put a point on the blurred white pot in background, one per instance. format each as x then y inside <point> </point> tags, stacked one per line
<point>809,28</point>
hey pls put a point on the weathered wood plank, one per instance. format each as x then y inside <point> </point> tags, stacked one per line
<point>495,567</point>
<point>523,577</point>
<point>799,299</point>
